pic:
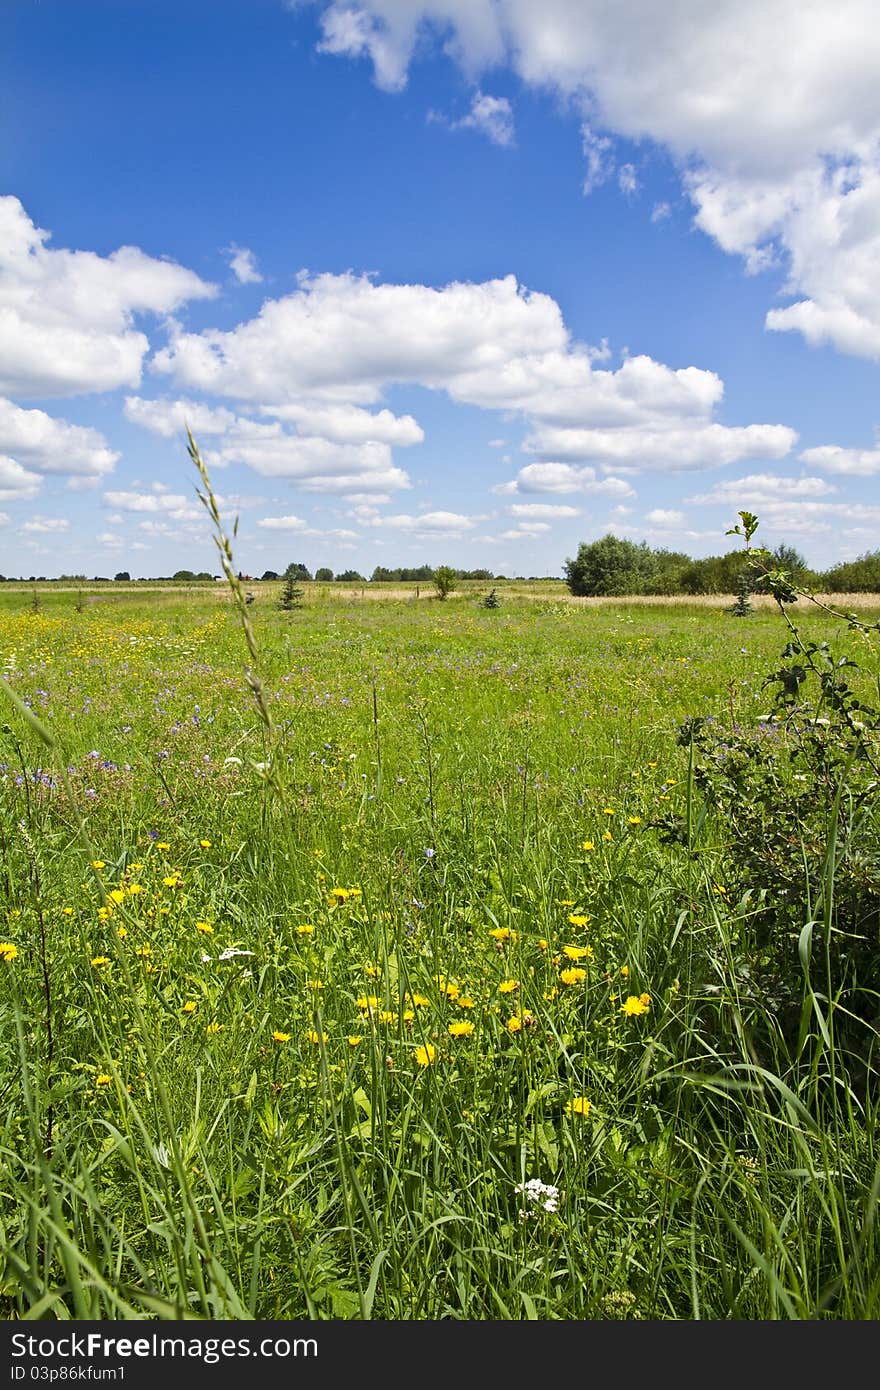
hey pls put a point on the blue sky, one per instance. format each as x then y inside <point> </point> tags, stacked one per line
<point>465,283</point>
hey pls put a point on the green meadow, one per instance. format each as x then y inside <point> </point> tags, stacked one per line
<point>414,964</point>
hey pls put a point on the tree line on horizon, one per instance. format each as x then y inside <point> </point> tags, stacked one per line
<point>609,567</point>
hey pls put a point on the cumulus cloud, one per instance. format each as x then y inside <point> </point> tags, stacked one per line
<point>428,524</point>
<point>489,116</point>
<point>565,477</point>
<point>762,488</point>
<point>243,264</point>
<point>323,354</point>
<point>542,510</point>
<point>861,463</point>
<point>34,445</point>
<point>770,110</point>
<point>67,317</point>
<point>46,525</point>
<point>664,516</point>
<point>283,523</point>
<point>172,505</point>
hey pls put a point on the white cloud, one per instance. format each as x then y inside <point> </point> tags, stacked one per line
<point>660,212</point>
<point>663,517</point>
<point>67,317</point>
<point>428,523</point>
<point>170,418</point>
<point>17,484</point>
<point>174,506</point>
<point>627,181</point>
<point>492,117</point>
<point>863,463</point>
<point>763,488</point>
<point>34,445</point>
<point>542,510</point>
<point>46,525</point>
<point>527,530</point>
<point>333,346</point>
<point>565,477</point>
<point>108,540</point>
<point>243,264</point>
<point>283,523</point>
<point>4,518</point>
<point>770,110</point>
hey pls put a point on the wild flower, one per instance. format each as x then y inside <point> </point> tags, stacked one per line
<point>541,1194</point>
<point>9,951</point>
<point>461,1029</point>
<point>574,975</point>
<point>425,1055</point>
<point>635,1004</point>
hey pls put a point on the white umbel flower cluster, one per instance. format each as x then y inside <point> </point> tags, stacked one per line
<point>543,1194</point>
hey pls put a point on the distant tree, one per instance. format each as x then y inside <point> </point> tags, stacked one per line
<point>297,571</point>
<point>491,600</point>
<point>381,575</point>
<point>123,575</point>
<point>475,574</point>
<point>861,576</point>
<point>271,574</point>
<point>785,557</point>
<point>183,575</point>
<point>610,566</point>
<point>324,575</point>
<point>445,580</point>
<point>350,577</point>
<point>670,565</point>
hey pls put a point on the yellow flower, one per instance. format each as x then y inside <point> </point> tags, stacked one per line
<point>103,1079</point>
<point>98,961</point>
<point>461,1029</point>
<point>573,976</point>
<point>425,1055</point>
<point>145,950</point>
<point>315,986</point>
<point>635,820</point>
<point>565,902</point>
<point>578,952</point>
<point>367,1003</point>
<point>579,1105</point>
<point>214,1028</point>
<point>578,919</point>
<point>172,881</point>
<point>162,844</point>
<point>98,864</point>
<point>543,943</point>
<point>608,811</point>
<point>607,835</point>
<point>419,1001</point>
<point>205,927</point>
<point>373,971</point>
<point>205,844</point>
<point>305,930</point>
<point>190,1006</point>
<point>282,1037</point>
<point>122,932</point>
<point>135,888</point>
<point>451,990</point>
<point>503,934</point>
<point>338,896</point>
<point>68,911</point>
<point>720,890</point>
<point>465,1002</point>
<point>514,1024</point>
<point>387,1016</point>
<point>508,986</point>
<point>624,970</point>
<point>588,844</point>
<point>116,895</point>
<point>354,1040</point>
<point>9,951</point>
<point>314,1037</point>
<point>634,1005</point>
<point>550,994</point>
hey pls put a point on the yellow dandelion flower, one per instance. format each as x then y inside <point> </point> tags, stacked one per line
<point>608,811</point>
<point>634,1005</point>
<point>205,928</point>
<point>172,881</point>
<point>134,888</point>
<point>98,864</point>
<point>281,1037</point>
<point>543,943</point>
<point>205,844</point>
<point>190,1006</point>
<point>99,961</point>
<point>573,976</point>
<point>461,1029</point>
<point>373,971</point>
<point>122,932</point>
<point>408,1015</point>
<point>588,844</point>
<point>508,986</point>
<point>425,1055</point>
<point>337,896</point>
<point>367,1003</point>
<point>162,844</point>
<point>579,1105</point>
<point>68,911</point>
<point>305,930</point>
<point>578,952</point>
<point>465,1002</point>
<point>624,970</point>
<point>315,986</point>
<point>550,994</point>
<point>635,820</point>
<point>214,1028</point>
<point>607,835</point>
<point>9,951</point>
<point>387,1016</point>
<point>451,990</point>
<point>502,934</point>
<point>354,1040</point>
<point>103,1079</point>
<point>565,902</point>
<point>578,919</point>
<point>720,890</point>
<point>116,895</point>
<point>419,1001</point>
<point>514,1024</point>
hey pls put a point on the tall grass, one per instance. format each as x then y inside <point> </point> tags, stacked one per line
<point>379,826</point>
